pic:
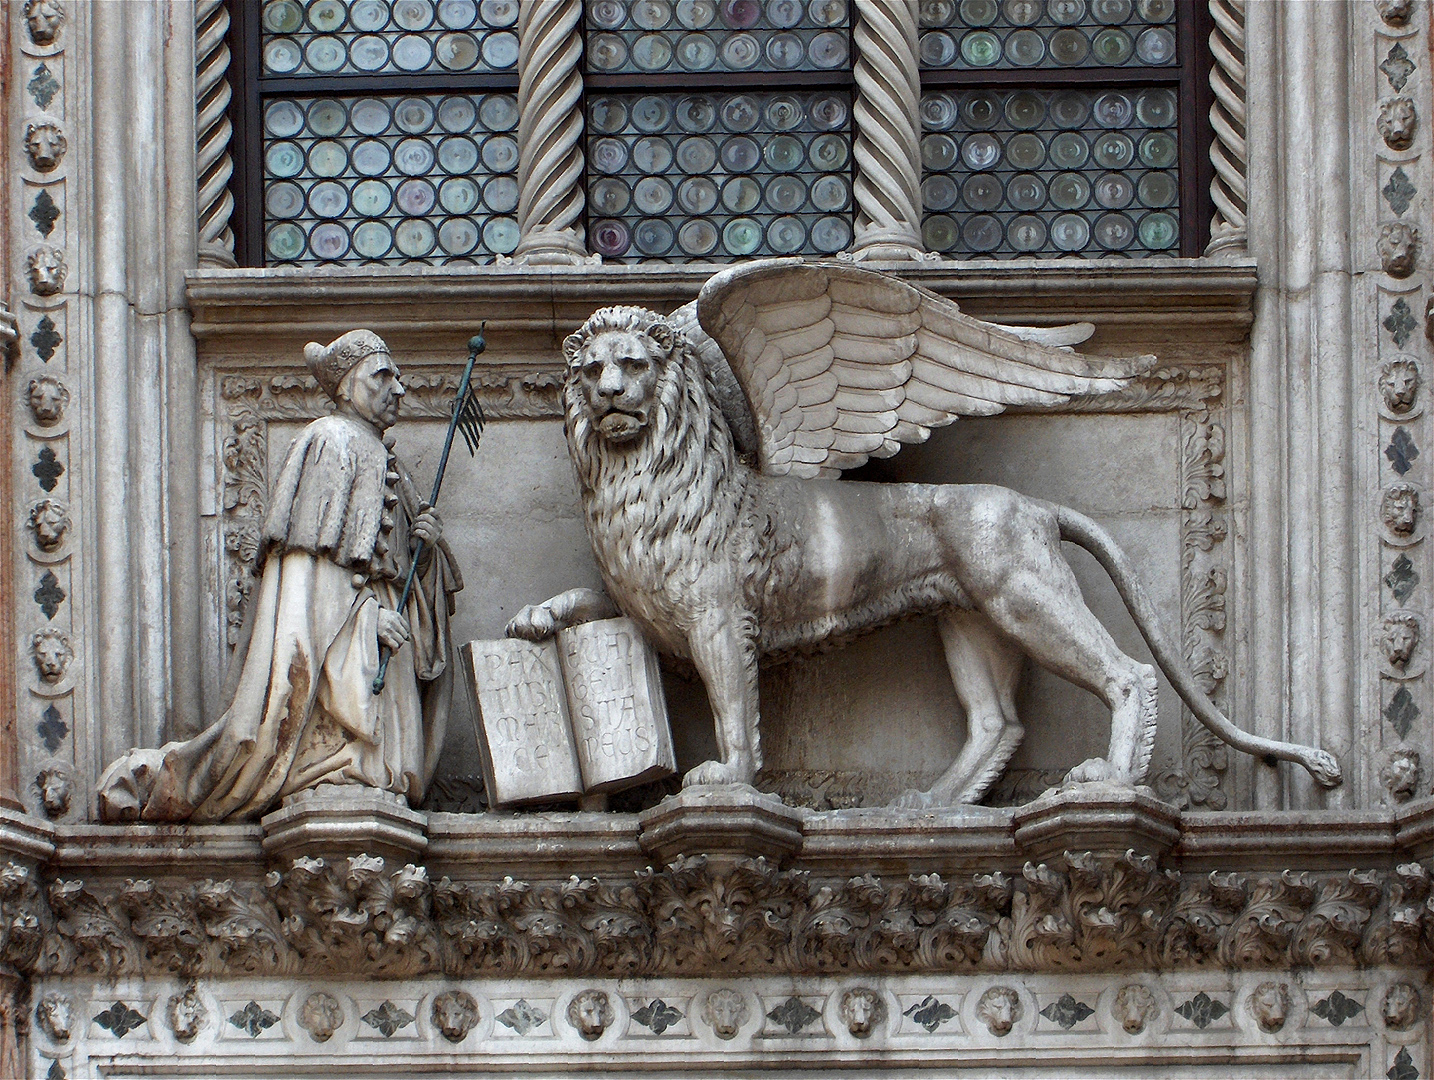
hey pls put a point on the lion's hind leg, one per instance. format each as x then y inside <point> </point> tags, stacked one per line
<point>985,669</point>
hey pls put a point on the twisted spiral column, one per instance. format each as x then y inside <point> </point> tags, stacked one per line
<point>550,131</point>
<point>213,131</point>
<point>888,131</point>
<point>1228,152</point>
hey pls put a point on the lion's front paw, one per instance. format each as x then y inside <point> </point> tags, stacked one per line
<point>534,623</point>
<point>716,772</point>
<point>1324,768</point>
<point>911,799</point>
<point>1091,771</point>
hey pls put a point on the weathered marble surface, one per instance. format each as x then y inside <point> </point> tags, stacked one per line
<point>1257,1023</point>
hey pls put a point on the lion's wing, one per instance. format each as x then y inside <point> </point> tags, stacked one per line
<point>841,364</point>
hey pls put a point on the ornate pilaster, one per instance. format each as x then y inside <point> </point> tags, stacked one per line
<point>213,131</point>
<point>550,131</point>
<point>888,132</point>
<point>1228,151</point>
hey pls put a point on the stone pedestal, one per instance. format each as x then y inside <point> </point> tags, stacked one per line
<point>724,823</point>
<point>330,822</point>
<point>1105,820</point>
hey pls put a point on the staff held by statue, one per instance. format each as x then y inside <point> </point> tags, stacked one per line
<point>467,418</point>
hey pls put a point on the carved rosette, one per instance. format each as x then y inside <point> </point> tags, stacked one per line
<point>1396,727</point>
<point>44,280</point>
<point>888,132</point>
<point>1228,151</point>
<point>550,131</point>
<point>213,165</point>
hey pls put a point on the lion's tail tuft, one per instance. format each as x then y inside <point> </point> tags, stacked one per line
<point>1081,530</point>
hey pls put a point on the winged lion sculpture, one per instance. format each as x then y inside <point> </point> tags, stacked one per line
<point>708,445</point>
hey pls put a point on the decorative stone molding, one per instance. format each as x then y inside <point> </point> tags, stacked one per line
<point>362,916</point>
<point>550,131</point>
<point>1229,152</point>
<point>213,163</point>
<point>888,132</point>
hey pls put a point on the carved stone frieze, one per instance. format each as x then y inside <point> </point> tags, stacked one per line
<point>363,917</point>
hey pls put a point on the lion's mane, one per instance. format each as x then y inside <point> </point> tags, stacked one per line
<point>675,498</point>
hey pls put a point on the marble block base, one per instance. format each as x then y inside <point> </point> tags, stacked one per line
<point>1103,819</point>
<point>330,821</point>
<point>725,823</point>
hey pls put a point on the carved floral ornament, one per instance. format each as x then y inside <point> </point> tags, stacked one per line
<point>692,918</point>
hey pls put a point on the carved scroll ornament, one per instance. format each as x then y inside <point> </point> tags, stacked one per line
<point>362,916</point>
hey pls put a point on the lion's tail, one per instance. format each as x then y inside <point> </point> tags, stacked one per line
<point>1081,530</point>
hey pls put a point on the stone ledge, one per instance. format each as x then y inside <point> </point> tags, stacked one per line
<point>428,303</point>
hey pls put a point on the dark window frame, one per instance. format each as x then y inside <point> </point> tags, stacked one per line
<point>1190,79</point>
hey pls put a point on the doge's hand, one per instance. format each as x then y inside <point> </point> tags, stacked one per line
<point>392,630</point>
<point>428,527</point>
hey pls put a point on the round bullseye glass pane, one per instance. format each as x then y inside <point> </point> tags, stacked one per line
<point>414,237</point>
<point>938,192</point>
<point>326,54</point>
<point>939,233</point>
<point>740,154</point>
<point>652,195</point>
<point>652,154</point>
<point>831,234</point>
<point>828,50</point>
<point>458,236</point>
<point>696,155</point>
<point>285,241</point>
<point>606,14</point>
<point>650,14</point>
<point>982,233</point>
<point>456,52</point>
<point>1155,108</point>
<point>371,198</point>
<point>413,14</point>
<point>458,195</point>
<point>1111,12</point>
<point>1025,48</point>
<point>696,114</point>
<point>981,192</point>
<point>827,12</point>
<point>784,112</point>
<point>1025,151</point>
<point>784,14</point>
<point>1025,110</point>
<point>1069,47</point>
<point>500,153</point>
<point>607,115</point>
<point>828,113</point>
<point>500,12</point>
<point>412,53</point>
<point>828,152</point>
<point>413,157</point>
<point>741,236</point>
<point>1026,232</point>
<point>327,159</point>
<point>938,152</point>
<point>329,241</point>
<point>499,112</point>
<point>1026,191</point>
<point>831,193</point>
<point>696,52</point>
<point>413,115</point>
<point>1156,11</point>
<point>369,116</point>
<point>457,14</point>
<point>696,14</point>
<point>1159,231</point>
<point>500,51</point>
<point>1157,189</point>
<point>1069,150</point>
<point>785,194</point>
<point>698,237</point>
<point>741,52</point>
<point>501,194</point>
<point>606,52</point>
<point>1070,232</point>
<point>1155,46</point>
<point>785,52</point>
<point>981,110</point>
<point>938,49</point>
<point>740,14</point>
<point>1114,150</point>
<point>326,117</point>
<point>981,151</point>
<point>326,16</point>
<point>368,15</point>
<point>328,199</point>
<point>1114,191</point>
<point>283,118</point>
<point>651,52</point>
<point>608,155</point>
<point>283,16</point>
<point>1158,150</point>
<point>281,56</point>
<point>284,200</point>
<point>938,112</point>
<point>610,238</point>
<point>786,235</point>
<point>979,12</point>
<point>740,113</point>
<point>372,240</point>
<point>1069,110</point>
<point>651,114</point>
<point>1023,12</point>
<point>416,197</point>
<point>741,194</point>
<point>1069,191</point>
<point>368,53</point>
<point>696,195</point>
<point>1113,110</point>
<point>457,113</point>
<point>1066,12</point>
<point>457,155</point>
<point>1114,232</point>
<point>1112,47</point>
<point>980,49</point>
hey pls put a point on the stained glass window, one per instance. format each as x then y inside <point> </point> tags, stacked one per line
<point>698,176</point>
<point>388,131</point>
<point>1029,172</point>
<point>649,36</point>
<point>1059,127</point>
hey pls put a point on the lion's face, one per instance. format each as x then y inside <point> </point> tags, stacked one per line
<point>617,373</point>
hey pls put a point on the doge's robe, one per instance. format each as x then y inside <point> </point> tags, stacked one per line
<point>335,547</point>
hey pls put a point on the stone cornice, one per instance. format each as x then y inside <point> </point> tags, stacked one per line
<point>1155,297</point>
